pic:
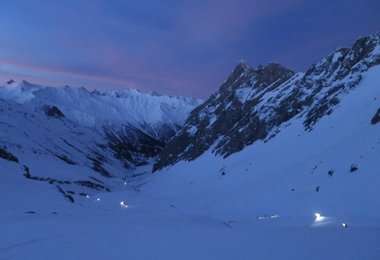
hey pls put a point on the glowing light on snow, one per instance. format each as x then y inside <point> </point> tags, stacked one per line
<point>87,196</point>
<point>125,183</point>
<point>123,204</point>
<point>98,199</point>
<point>267,217</point>
<point>319,217</point>
<point>344,225</point>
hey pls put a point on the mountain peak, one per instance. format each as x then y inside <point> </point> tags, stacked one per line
<point>241,68</point>
<point>276,69</point>
<point>11,81</point>
<point>243,64</point>
<point>275,65</point>
<point>25,82</point>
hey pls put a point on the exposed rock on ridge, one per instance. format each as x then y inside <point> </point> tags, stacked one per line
<point>255,104</point>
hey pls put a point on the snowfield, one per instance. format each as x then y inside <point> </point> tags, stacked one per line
<point>288,198</point>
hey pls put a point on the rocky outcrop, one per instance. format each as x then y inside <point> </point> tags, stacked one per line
<point>376,118</point>
<point>4,154</point>
<point>52,111</point>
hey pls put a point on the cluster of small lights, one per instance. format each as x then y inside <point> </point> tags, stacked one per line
<point>123,204</point>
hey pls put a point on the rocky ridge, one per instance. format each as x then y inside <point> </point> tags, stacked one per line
<point>256,103</point>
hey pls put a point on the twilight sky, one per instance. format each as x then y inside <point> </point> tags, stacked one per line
<point>168,46</point>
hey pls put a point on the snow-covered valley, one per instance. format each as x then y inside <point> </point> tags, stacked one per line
<point>301,194</point>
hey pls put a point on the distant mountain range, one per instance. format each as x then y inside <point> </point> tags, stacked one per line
<point>56,131</point>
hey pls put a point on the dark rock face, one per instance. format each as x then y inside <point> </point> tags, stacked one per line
<point>353,168</point>
<point>52,111</point>
<point>376,118</point>
<point>10,81</point>
<point>7,156</point>
<point>92,185</point>
<point>224,113</point>
<point>130,144</point>
<point>255,104</point>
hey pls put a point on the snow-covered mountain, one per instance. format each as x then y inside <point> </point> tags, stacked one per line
<point>256,104</point>
<point>115,111</point>
<point>149,112</point>
<point>74,137</point>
